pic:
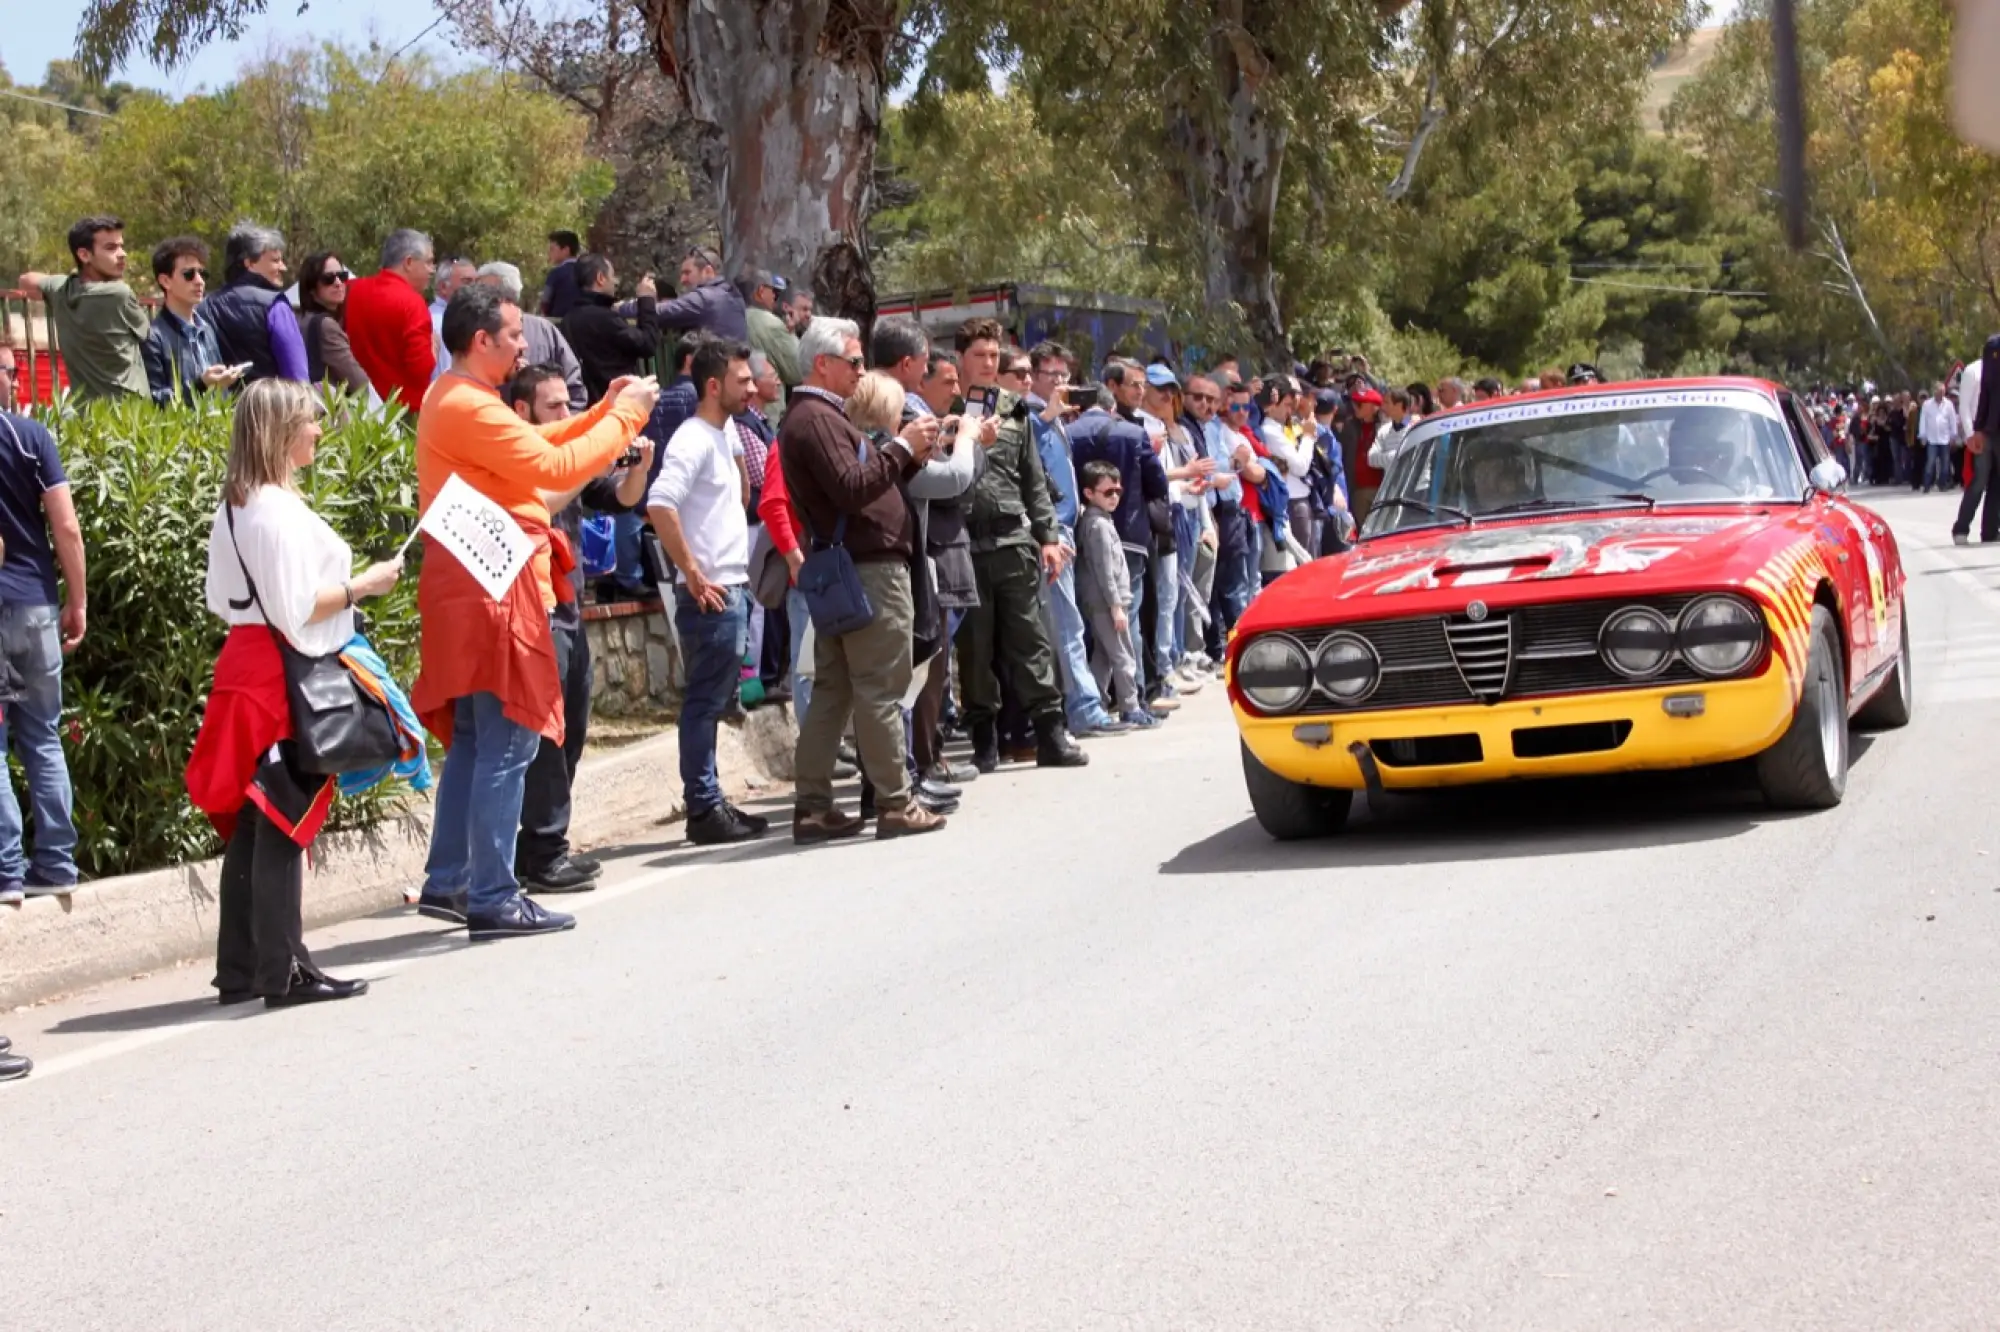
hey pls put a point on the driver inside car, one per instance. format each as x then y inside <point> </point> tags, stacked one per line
<point>1713,448</point>
<point>1501,476</point>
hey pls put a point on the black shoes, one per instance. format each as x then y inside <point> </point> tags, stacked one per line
<point>985,747</point>
<point>588,864</point>
<point>448,907</point>
<point>725,824</point>
<point>941,789</point>
<point>1055,748</point>
<point>309,988</point>
<point>521,916</point>
<point>14,1066</point>
<point>228,997</point>
<point>567,875</point>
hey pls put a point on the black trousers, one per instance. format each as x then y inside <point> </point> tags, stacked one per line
<point>1985,488</point>
<point>261,930</point>
<point>774,667</point>
<point>545,807</point>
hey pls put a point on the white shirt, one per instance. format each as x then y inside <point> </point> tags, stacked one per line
<point>699,481</point>
<point>292,553</point>
<point>1297,458</point>
<point>1968,395</point>
<point>1938,422</point>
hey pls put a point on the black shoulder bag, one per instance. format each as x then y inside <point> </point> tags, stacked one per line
<point>337,726</point>
<point>829,582</point>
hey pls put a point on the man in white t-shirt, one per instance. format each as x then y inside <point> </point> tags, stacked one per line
<point>698,505</point>
<point>1292,449</point>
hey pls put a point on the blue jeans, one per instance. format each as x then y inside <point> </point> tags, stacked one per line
<point>712,656</point>
<point>1167,595</point>
<point>1135,564</point>
<point>1081,701</point>
<point>32,642</point>
<point>625,528</point>
<point>477,814</point>
<point>802,686</point>
<point>1937,466</point>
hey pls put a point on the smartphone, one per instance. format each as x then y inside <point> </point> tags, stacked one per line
<point>978,402</point>
<point>948,434</point>
<point>241,370</point>
<point>629,458</point>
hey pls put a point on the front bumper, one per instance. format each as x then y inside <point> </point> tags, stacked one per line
<point>1738,718</point>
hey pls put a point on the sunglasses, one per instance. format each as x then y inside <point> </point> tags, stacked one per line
<point>1239,409</point>
<point>1110,490</point>
<point>190,274</point>
<point>852,362</point>
<point>1203,397</point>
<point>328,279</point>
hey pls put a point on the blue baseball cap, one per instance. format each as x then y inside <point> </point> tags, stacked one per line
<point>1159,376</point>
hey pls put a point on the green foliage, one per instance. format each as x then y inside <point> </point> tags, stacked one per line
<point>336,150</point>
<point>147,484</point>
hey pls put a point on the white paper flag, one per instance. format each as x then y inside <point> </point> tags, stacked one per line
<point>484,536</point>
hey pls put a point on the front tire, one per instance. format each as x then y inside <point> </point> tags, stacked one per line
<point>1807,768</point>
<point>1896,699</point>
<point>1291,811</point>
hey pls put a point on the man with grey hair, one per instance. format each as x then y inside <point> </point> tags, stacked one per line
<point>836,482</point>
<point>546,344</point>
<point>1451,392</point>
<point>254,323</point>
<point>388,323</point>
<point>796,309</point>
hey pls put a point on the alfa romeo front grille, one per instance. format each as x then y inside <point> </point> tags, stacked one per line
<point>1524,652</point>
<point>1483,651</point>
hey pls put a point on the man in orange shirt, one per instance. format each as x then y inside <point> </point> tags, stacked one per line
<point>488,685</point>
<point>389,322</point>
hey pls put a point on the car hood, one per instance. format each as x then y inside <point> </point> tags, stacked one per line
<point>1695,549</point>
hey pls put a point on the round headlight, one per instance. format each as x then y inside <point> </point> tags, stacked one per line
<point>1347,668</point>
<point>1274,673</point>
<point>1637,642</point>
<point>1720,635</point>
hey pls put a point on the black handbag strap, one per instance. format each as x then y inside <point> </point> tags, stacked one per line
<point>229,513</point>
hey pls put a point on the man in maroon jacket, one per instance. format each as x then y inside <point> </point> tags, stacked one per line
<point>865,672</point>
<point>389,322</point>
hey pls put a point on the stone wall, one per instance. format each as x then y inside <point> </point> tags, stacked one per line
<point>634,666</point>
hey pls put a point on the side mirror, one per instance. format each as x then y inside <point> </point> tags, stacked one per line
<point>1827,477</point>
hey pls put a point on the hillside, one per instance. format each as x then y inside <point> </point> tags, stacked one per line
<point>1676,69</point>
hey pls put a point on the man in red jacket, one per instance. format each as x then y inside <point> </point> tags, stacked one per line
<point>389,322</point>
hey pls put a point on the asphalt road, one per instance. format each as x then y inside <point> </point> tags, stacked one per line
<point>1636,1054</point>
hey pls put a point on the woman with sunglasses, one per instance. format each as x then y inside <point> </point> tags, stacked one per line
<point>323,283</point>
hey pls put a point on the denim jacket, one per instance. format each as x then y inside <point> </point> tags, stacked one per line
<point>1053,445</point>
<point>176,352</point>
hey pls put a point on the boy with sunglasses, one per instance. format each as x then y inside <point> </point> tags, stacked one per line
<point>180,352</point>
<point>1104,593</point>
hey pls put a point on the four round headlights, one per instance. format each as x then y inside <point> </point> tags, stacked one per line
<point>1717,635</point>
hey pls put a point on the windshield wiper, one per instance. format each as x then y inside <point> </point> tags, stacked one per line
<point>1436,510</point>
<point>1629,499</point>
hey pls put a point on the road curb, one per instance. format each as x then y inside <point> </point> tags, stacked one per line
<point>119,927</point>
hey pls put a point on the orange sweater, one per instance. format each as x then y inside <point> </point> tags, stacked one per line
<point>467,429</point>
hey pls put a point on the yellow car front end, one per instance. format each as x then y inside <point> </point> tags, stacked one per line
<point>1667,726</point>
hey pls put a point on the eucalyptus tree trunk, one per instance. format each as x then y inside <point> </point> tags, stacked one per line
<point>1230,154</point>
<point>794,89</point>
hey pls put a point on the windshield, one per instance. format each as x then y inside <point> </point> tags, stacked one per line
<point>1609,451</point>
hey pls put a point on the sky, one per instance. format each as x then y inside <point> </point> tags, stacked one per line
<point>38,31</point>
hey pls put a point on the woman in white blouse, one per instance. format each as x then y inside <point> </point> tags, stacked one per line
<point>240,774</point>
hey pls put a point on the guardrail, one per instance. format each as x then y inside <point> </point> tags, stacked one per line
<point>39,374</point>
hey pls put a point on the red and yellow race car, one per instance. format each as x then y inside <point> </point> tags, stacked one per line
<point>1600,579</point>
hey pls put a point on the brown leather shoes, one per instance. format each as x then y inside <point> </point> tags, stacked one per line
<point>908,821</point>
<point>827,825</point>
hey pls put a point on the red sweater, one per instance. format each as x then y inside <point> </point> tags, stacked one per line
<point>389,327</point>
<point>774,506</point>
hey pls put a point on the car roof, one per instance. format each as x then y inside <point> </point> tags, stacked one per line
<point>1764,386</point>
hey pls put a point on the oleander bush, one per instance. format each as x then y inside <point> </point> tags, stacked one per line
<point>147,484</point>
